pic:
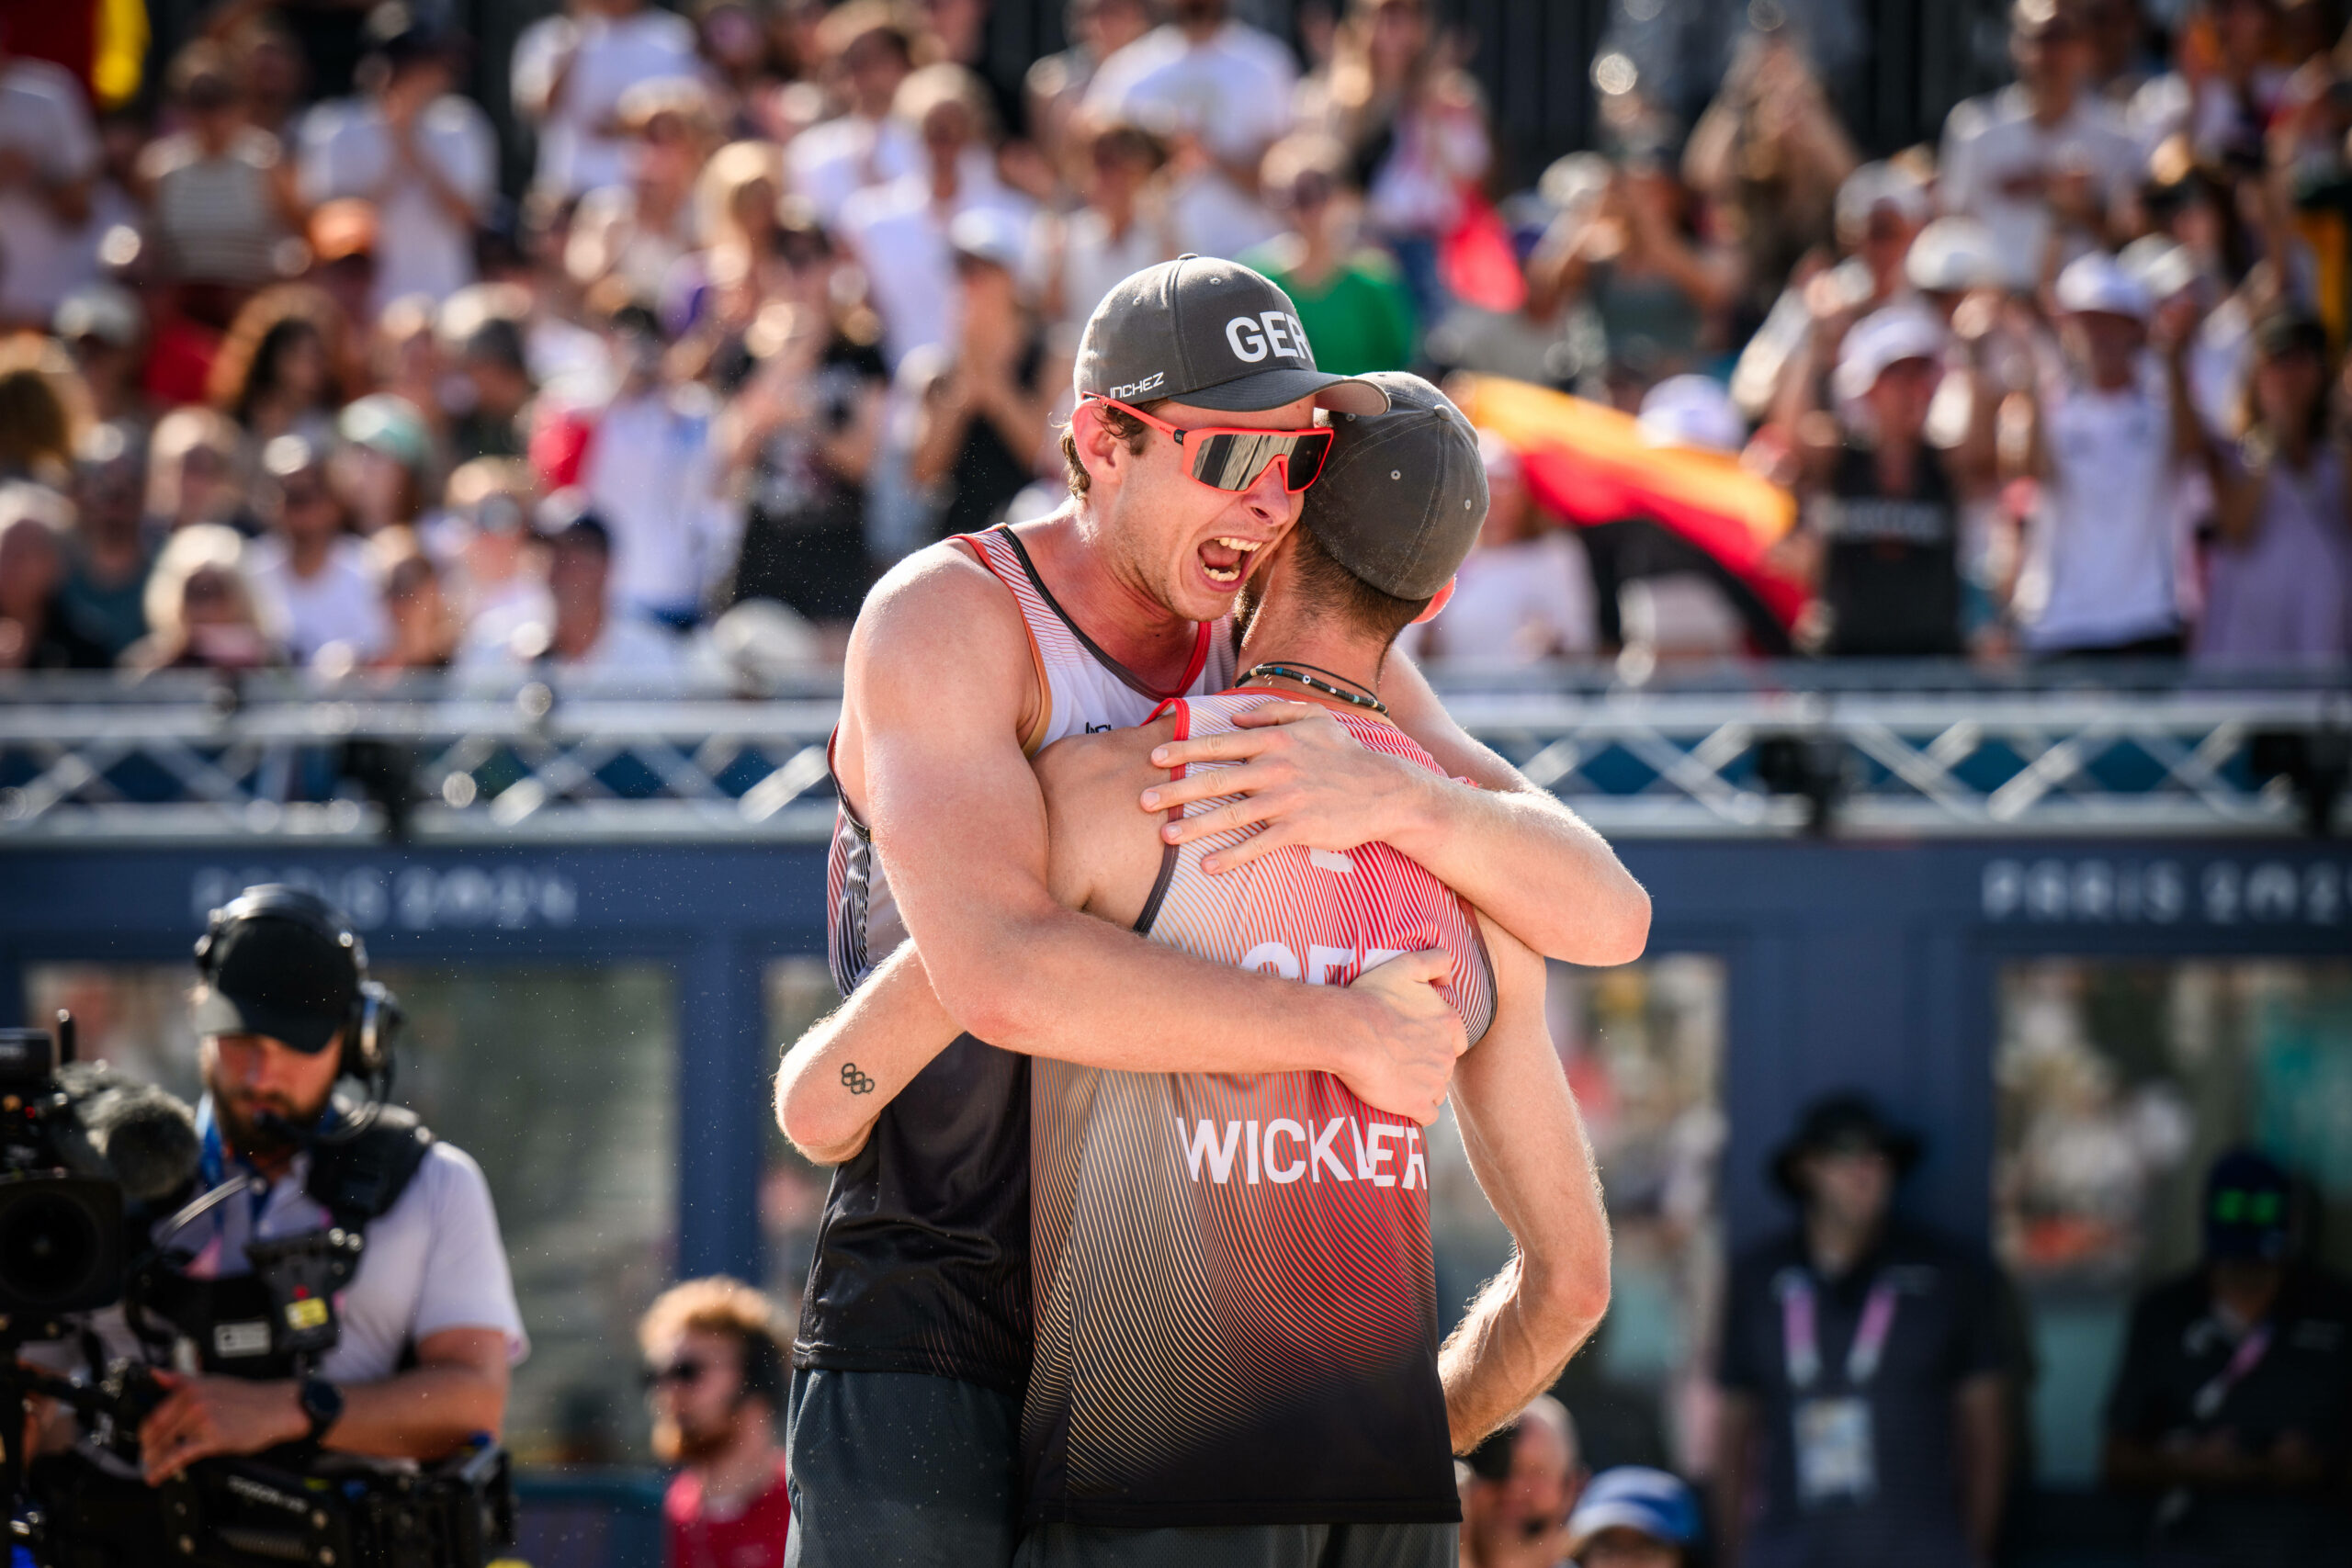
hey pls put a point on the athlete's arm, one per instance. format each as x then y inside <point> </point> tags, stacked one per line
<point>1528,1150</point>
<point>937,670</point>
<point>1507,846</point>
<point>837,1078</point>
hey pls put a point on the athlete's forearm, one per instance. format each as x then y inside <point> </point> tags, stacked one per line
<point>836,1078</point>
<point>1528,1150</point>
<point>1509,847</point>
<point>1079,990</point>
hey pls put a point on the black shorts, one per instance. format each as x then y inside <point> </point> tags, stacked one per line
<point>902,1469</point>
<point>1243,1546</point>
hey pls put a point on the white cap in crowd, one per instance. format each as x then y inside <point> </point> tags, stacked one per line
<point>1692,411</point>
<point>1883,338</point>
<point>1877,184</point>
<point>2097,285</point>
<point>1951,255</point>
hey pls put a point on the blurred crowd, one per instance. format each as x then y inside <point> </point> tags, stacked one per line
<point>792,289</point>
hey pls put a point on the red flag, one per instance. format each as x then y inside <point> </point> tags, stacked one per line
<point>1477,262</point>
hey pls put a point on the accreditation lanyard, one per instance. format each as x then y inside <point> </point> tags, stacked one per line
<point>1801,1339</point>
<point>2206,1402</point>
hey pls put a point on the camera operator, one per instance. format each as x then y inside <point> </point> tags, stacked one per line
<point>428,1328</point>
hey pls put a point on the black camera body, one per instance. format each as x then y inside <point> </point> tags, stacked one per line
<point>61,1231</point>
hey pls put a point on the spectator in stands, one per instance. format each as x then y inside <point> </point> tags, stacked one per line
<point>652,478</point>
<point>1634,1517</point>
<point>739,58</point>
<point>570,71</point>
<point>1770,154</point>
<point>1124,226</point>
<point>2280,577</point>
<point>342,241</point>
<point>42,412</point>
<point>35,631</point>
<point>49,154</point>
<point>203,611</point>
<point>869,52</point>
<point>2038,162</point>
<point>636,231</point>
<point>1520,1490</point>
<point>1896,1449</point>
<point>282,370</point>
<point>422,624</point>
<point>1354,305</point>
<point>1653,286</point>
<point>1524,595</point>
<point>899,231</point>
<point>1881,505</point>
<point>800,433</point>
<point>1057,85</point>
<point>2231,1411</point>
<point>405,362</point>
<point>102,326</point>
<point>493,362</point>
<point>424,156</point>
<point>220,192</point>
<point>317,580</point>
<point>1221,91</point>
<point>193,471</point>
<point>2109,434</point>
<point>486,531</point>
<point>738,201</point>
<point>590,630</point>
<point>1413,125</point>
<point>984,406</point>
<point>272,76</point>
<point>383,463</point>
<point>107,555</point>
<point>2228,80</point>
<point>715,1370</point>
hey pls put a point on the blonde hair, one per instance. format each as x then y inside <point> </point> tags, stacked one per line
<point>731,169</point>
<point>198,548</point>
<point>718,1303</point>
<point>178,434</point>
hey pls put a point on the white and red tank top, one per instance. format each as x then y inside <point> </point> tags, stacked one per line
<point>922,1255</point>
<point>1235,1314</point>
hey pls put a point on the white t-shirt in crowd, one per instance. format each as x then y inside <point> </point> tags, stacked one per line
<point>343,602</point>
<point>651,474</point>
<point>2102,548</point>
<point>1514,604</point>
<point>1233,90</point>
<point>899,236</point>
<point>43,119</point>
<point>834,159</point>
<point>609,55</point>
<point>1093,261</point>
<point>420,247</point>
<point>1997,159</point>
<point>629,645</point>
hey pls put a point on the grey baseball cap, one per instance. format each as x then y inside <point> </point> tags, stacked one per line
<point>1403,493</point>
<point>1212,333</point>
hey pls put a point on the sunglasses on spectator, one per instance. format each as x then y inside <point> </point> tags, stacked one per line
<point>1234,457</point>
<point>685,1372</point>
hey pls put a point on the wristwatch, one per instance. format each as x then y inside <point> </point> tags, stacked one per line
<point>321,1403</point>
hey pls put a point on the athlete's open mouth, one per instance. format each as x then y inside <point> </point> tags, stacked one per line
<point>1226,560</point>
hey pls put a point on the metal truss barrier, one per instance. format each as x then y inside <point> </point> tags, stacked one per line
<point>86,762</point>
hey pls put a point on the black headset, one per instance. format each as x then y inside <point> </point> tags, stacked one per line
<point>375,1016</point>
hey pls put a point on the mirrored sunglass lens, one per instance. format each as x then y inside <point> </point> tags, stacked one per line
<point>1306,463</point>
<point>1234,460</point>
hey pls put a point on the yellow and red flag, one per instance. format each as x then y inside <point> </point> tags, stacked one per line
<point>1592,465</point>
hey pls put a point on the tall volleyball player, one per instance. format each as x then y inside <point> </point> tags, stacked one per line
<point>1194,438</point>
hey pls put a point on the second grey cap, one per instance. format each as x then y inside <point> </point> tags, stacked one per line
<point>1402,495</point>
<point>1210,333</point>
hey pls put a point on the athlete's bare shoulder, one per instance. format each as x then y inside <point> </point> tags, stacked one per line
<point>932,605</point>
<point>1102,847</point>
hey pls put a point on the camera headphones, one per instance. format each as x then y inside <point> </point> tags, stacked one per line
<point>375,1016</point>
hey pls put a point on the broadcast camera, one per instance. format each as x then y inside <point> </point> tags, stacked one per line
<point>96,1175</point>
